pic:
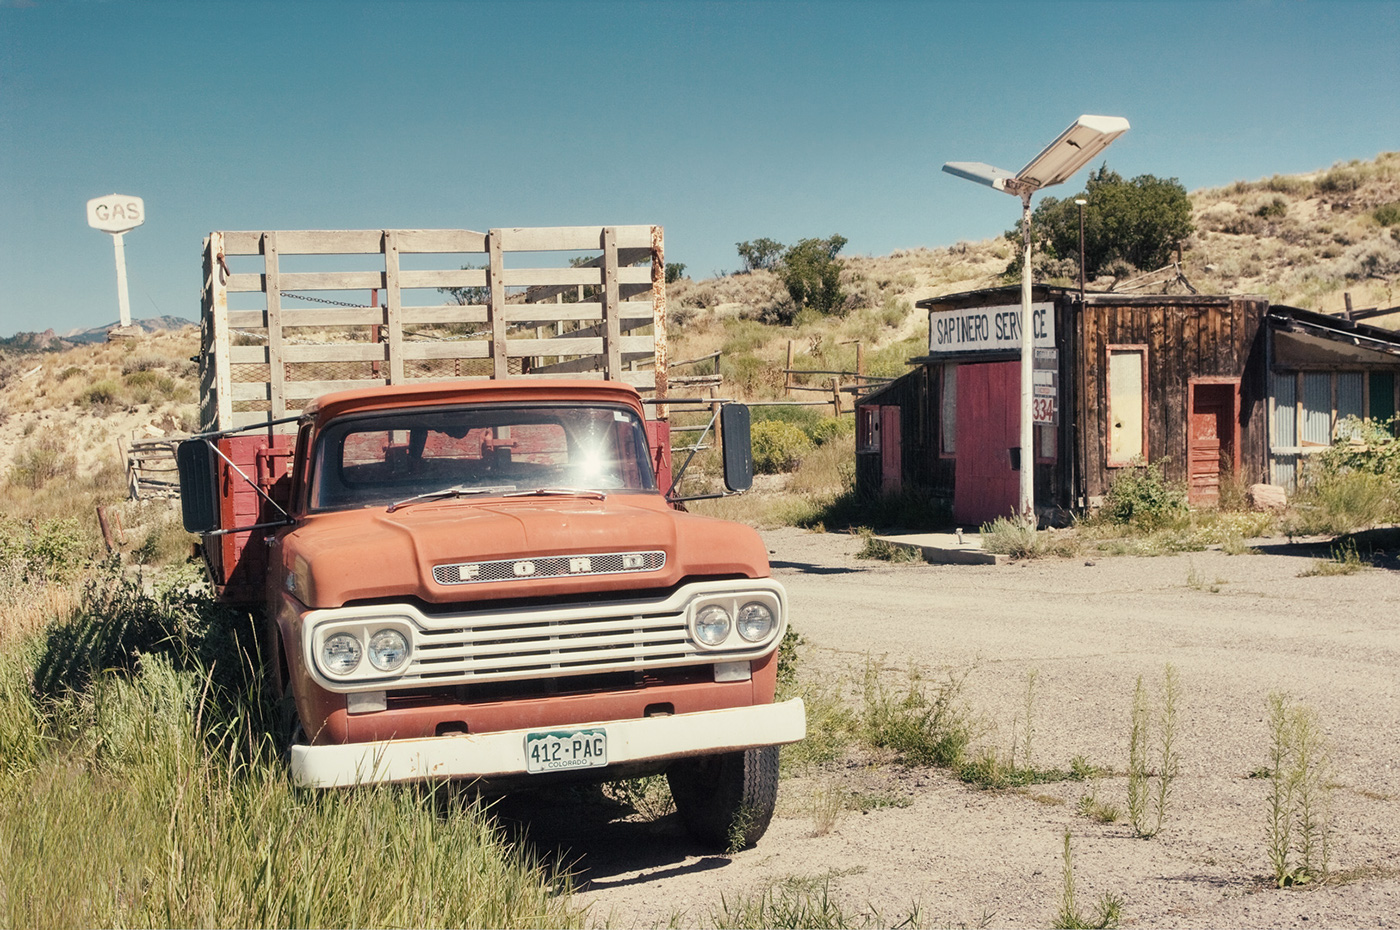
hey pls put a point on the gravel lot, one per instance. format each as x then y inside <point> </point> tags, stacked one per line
<point>1235,627</point>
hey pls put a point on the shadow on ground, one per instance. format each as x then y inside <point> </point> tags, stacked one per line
<point>602,843</point>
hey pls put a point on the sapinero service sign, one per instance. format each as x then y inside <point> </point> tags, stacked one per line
<point>982,329</point>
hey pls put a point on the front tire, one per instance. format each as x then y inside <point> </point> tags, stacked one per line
<point>727,800</point>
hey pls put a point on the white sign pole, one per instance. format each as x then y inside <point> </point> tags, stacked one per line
<point>123,299</point>
<point>118,214</point>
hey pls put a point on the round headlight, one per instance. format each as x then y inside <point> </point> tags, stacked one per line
<point>755,621</point>
<point>388,649</point>
<point>712,626</point>
<point>340,654</point>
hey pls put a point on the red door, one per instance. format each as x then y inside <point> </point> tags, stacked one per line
<point>891,456</point>
<point>1211,445</point>
<point>989,423</point>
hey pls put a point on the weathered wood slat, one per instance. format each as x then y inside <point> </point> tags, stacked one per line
<point>451,313</point>
<point>310,281</point>
<point>569,238</point>
<point>441,240</point>
<point>499,366</point>
<point>216,312</point>
<point>480,348</point>
<point>568,345</point>
<point>350,241</point>
<point>299,354</point>
<point>573,277</point>
<point>275,331</point>
<point>461,277</point>
<point>612,277</point>
<point>393,314</point>
<point>542,314</point>
<point>308,316</point>
<point>587,363</point>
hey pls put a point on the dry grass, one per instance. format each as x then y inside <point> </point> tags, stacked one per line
<point>1303,240</point>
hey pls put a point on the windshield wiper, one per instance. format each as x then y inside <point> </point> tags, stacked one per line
<point>457,491</point>
<point>560,492</point>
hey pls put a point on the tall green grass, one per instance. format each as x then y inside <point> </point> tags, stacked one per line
<point>141,785</point>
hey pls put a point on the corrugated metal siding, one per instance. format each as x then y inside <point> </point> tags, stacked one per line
<point>1351,394</point>
<point>1317,408</point>
<point>1285,471</point>
<point>1283,428</point>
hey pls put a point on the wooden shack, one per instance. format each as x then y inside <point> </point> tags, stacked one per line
<point>1118,379</point>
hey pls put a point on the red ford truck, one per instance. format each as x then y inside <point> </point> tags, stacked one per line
<point>459,521</point>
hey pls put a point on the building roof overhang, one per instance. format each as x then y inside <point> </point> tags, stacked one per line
<point>1323,338</point>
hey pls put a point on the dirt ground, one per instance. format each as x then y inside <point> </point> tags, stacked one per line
<point>1236,628</point>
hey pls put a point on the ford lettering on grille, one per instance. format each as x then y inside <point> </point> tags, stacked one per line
<point>551,566</point>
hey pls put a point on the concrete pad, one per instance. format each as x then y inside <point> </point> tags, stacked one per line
<point>947,548</point>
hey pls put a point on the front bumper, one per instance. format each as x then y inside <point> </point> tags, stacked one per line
<point>502,754</point>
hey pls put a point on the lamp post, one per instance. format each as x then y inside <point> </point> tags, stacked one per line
<point>1080,202</point>
<point>1075,147</point>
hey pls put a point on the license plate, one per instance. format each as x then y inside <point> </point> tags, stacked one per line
<point>562,750</point>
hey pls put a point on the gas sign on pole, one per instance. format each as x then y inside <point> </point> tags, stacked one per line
<point>118,214</point>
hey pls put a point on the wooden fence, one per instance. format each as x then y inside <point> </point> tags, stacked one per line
<point>290,315</point>
<point>150,467</point>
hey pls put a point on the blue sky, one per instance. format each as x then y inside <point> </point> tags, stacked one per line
<point>720,121</point>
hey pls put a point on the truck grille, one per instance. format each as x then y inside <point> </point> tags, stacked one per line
<point>543,641</point>
<point>505,647</point>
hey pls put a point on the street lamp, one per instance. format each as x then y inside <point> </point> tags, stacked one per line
<point>1075,148</point>
<point>1080,202</point>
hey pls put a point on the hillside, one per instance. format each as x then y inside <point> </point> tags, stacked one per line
<point>1304,240</point>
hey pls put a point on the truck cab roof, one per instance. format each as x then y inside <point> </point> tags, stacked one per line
<point>438,393</point>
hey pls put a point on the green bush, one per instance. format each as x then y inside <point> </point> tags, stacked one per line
<point>1354,483</point>
<point>35,552</point>
<point>804,418</point>
<point>1016,538</point>
<point>926,725</point>
<point>829,428</point>
<point>1388,214</point>
<point>1138,221</point>
<point>760,254</point>
<point>40,462</point>
<point>811,272</point>
<point>746,370</point>
<point>778,446</point>
<point>102,394</point>
<point>1142,497</point>
<point>1273,209</point>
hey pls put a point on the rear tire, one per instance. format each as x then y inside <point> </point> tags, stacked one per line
<point>727,800</point>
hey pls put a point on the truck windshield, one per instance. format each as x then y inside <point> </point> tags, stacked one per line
<point>383,458</point>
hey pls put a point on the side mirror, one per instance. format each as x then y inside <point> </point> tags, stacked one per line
<point>199,500</point>
<point>738,447</point>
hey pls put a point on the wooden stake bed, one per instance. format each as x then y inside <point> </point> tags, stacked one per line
<point>291,315</point>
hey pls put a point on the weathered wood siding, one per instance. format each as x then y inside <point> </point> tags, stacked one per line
<point>1185,338</point>
<point>918,397</point>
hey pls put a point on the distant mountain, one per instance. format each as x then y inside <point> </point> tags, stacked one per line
<point>153,324</point>
<point>49,341</point>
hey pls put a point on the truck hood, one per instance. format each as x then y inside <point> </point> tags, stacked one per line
<point>331,559</point>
